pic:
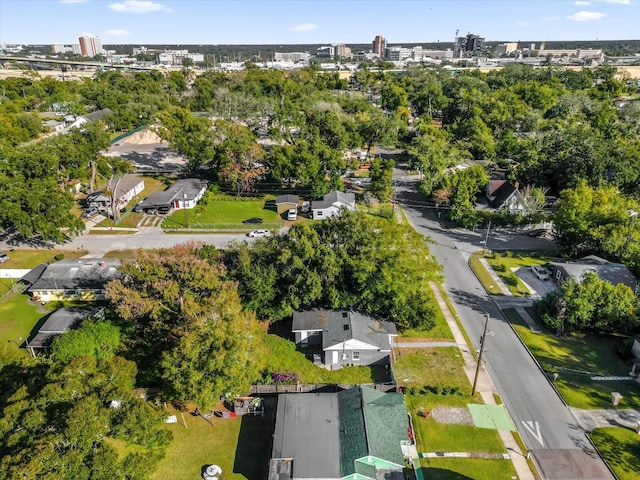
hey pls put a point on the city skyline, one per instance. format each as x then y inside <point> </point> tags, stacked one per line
<point>313,21</point>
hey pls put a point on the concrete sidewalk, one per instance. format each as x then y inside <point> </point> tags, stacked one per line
<point>485,387</point>
<point>592,419</point>
<point>494,276</point>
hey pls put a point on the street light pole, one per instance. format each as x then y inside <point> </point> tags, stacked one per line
<point>483,341</point>
<point>184,207</point>
<point>486,239</point>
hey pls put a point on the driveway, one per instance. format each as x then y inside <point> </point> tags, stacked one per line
<point>538,288</point>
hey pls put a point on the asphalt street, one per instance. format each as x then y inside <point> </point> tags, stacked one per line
<point>550,431</point>
<point>98,245</point>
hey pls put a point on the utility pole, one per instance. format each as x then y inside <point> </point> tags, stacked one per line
<point>486,239</point>
<point>483,341</point>
<point>184,207</point>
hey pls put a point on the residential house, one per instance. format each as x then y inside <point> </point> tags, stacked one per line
<point>614,273</point>
<point>82,279</point>
<point>54,125</point>
<point>98,115</point>
<point>59,322</point>
<point>332,204</point>
<point>286,202</point>
<point>184,193</point>
<point>346,337</point>
<point>503,195</point>
<point>354,434</point>
<point>128,187</point>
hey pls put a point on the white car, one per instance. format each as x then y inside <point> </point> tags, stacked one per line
<point>259,234</point>
<point>306,207</point>
<point>292,215</point>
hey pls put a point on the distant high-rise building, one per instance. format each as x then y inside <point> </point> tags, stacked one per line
<point>90,46</point>
<point>379,45</point>
<point>470,45</point>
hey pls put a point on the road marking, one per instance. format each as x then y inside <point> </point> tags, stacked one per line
<point>534,429</point>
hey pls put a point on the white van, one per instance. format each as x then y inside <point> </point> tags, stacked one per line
<point>540,272</point>
<point>292,214</point>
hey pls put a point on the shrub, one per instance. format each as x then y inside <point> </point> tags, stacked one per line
<point>284,378</point>
<point>59,257</point>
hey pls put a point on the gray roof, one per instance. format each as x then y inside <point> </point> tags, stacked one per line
<point>343,325</point>
<point>307,431</point>
<point>128,183</point>
<point>293,199</point>
<point>77,274</point>
<point>324,433</point>
<point>613,273</point>
<point>331,198</point>
<point>59,322</point>
<point>191,187</point>
<point>34,274</point>
<point>98,115</point>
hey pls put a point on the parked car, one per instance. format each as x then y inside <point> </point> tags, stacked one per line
<point>253,220</point>
<point>90,212</point>
<point>259,234</point>
<point>306,207</point>
<point>4,257</point>
<point>150,211</point>
<point>540,272</point>
<point>292,214</point>
<point>539,232</point>
<point>163,210</point>
<point>139,208</point>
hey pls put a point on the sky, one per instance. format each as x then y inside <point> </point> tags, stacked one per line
<point>279,22</point>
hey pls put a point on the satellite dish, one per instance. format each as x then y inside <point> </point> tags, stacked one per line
<point>212,472</point>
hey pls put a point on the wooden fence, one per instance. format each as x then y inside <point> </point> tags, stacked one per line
<point>315,387</point>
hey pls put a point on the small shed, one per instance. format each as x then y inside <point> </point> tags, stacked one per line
<point>286,202</point>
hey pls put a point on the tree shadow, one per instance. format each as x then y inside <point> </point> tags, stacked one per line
<point>443,474</point>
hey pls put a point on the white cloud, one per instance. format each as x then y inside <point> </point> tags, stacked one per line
<point>581,3</point>
<point>621,2</point>
<point>138,6</point>
<point>585,16</point>
<point>72,1</point>
<point>523,23</point>
<point>304,27</point>
<point>116,32</point>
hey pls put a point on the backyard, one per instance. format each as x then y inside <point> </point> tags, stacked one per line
<point>17,318</point>
<point>577,358</point>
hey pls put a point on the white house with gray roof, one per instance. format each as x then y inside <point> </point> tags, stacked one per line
<point>332,204</point>
<point>184,193</point>
<point>614,273</point>
<point>346,337</point>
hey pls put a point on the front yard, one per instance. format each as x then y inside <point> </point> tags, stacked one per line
<point>225,212</point>
<point>620,448</point>
<point>576,359</point>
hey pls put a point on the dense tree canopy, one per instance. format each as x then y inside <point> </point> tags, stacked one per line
<point>354,261</point>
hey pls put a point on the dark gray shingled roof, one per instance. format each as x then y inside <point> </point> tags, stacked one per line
<point>59,322</point>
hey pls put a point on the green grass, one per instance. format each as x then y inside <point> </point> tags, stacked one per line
<point>226,214</point>
<point>128,220</point>
<point>121,254</point>
<point>281,355</point>
<point>439,332</point>
<point>577,357</point>
<point>453,312</point>
<point>620,447</point>
<point>466,469</point>
<point>17,319</point>
<point>503,266</point>
<point>28,258</point>
<point>112,232</point>
<point>483,275</point>
<point>240,446</point>
<point>419,367</point>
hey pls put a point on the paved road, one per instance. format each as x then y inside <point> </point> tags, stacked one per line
<point>98,245</point>
<point>556,440</point>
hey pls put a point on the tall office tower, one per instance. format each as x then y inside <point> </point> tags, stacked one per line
<point>379,45</point>
<point>90,46</point>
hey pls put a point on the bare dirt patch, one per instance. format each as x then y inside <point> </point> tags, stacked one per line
<point>456,415</point>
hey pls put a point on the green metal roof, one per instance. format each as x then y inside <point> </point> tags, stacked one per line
<point>371,423</point>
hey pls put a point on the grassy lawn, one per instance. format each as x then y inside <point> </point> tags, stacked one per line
<point>240,446</point>
<point>128,220</point>
<point>281,355</point>
<point>121,254</point>
<point>483,275</point>
<point>28,258</point>
<point>466,469</point>
<point>226,214</point>
<point>576,358</point>
<point>17,319</point>
<point>620,448</point>
<point>504,264</point>
<point>439,332</point>
<point>420,367</point>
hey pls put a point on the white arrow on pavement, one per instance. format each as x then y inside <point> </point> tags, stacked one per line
<point>534,429</point>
